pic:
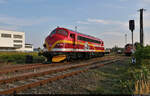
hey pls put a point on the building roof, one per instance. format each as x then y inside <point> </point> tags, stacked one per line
<point>10,31</point>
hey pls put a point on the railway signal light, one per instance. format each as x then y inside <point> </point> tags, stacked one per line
<point>131,25</point>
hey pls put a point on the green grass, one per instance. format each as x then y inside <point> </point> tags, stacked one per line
<point>111,76</point>
<point>19,57</point>
<point>126,78</point>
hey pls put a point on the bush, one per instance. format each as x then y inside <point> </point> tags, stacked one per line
<point>38,59</point>
<point>139,73</point>
<point>19,57</point>
<point>142,54</point>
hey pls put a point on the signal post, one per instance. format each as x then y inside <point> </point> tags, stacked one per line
<point>132,27</point>
<point>141,27</point>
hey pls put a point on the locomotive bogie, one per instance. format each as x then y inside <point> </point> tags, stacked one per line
<point>72,55</point>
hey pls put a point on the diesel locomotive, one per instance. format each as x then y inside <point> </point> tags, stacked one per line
<point>128,49</point>
<point>63,43</point>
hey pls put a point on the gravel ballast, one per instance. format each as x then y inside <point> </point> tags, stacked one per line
<point>84,83</point>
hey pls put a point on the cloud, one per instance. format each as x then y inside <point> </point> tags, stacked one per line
<point>143,3</point>
<point>116,30</point>
<point>111,33</point>
<point>11,27</point>
<point>14,22</point>
<point>146,19</point>
<point>98,21</point>
<point>82,22</point>
<point>146,1</point>
<point>20,21</point>
<point>123,0</point>
<point>146,25</point>
<point>105,22</point>
<point>90,21</point>
<point>3,1</point>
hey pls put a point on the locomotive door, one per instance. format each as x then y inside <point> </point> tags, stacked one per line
<point>72,36</point>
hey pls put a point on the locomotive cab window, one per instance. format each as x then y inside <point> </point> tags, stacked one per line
<point>53,32</point>
<point>62,32</point>
<point>72,35</point>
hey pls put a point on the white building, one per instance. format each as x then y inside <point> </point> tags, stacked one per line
<point>13,41</point>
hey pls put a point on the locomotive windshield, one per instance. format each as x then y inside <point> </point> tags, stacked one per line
<point>59,31</point>
<point>53,32</point>
<point>62,32</point>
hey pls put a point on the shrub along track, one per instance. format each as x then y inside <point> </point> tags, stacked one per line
<point>20,83</point>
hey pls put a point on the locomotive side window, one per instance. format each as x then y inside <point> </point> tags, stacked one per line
<point>62,32</point>
<point>88,40</point>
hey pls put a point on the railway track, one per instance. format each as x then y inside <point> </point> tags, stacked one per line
<point>19,66</point>
<point>19,70</point>
<point>27,67</point>
<point>20,83</point>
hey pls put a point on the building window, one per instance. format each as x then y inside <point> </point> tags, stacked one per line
<point>17,46</point>
<point>18,36</point>
<point>6,35</point>
<point>18,41</point>
<point>28,46</point>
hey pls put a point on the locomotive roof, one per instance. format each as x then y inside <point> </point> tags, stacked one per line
<point>84,34</point>
<point>128,45</point>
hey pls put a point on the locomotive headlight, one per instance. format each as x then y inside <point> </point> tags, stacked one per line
<point>44,45</point>
<point>59,45</point>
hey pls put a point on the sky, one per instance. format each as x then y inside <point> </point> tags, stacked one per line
<point>104,19</point>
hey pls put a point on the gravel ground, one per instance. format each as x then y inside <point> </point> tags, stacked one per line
<point>21,72</point>
<point>69,85</point>
<point>93,81</point>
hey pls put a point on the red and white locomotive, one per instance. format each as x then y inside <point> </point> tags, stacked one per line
<point>128,49</point>
<point>72,44</point>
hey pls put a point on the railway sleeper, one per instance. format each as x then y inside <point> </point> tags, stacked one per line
<point>70,73</point>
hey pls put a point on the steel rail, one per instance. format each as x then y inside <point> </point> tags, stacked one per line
<point>27,76</point>
<point>29,68</point>
<point>36,66</point>
<point>18,66</point>
<point>41,82</point>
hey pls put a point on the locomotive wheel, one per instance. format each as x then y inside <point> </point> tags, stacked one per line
<point>79,56</point>
<point>87,56</point>
<point>48,60</point>
<point>68,58</point>
<point>82,56</point>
